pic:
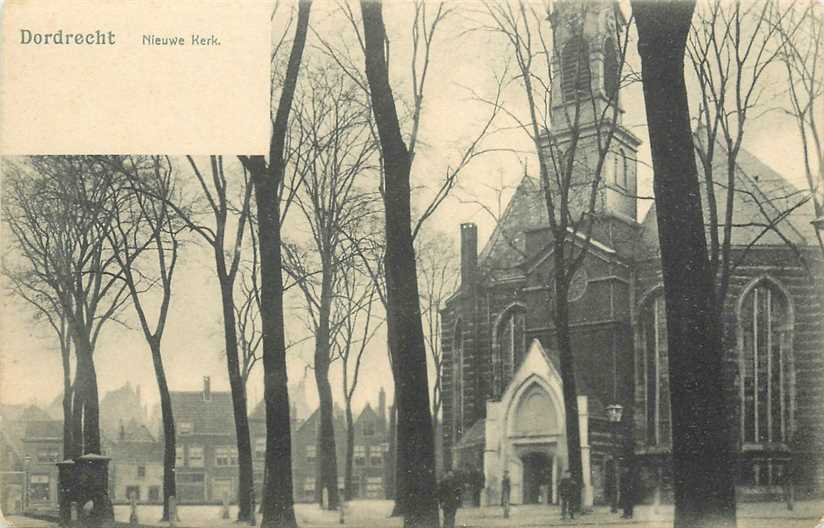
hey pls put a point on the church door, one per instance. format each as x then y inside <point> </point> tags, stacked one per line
<point>537,478</point>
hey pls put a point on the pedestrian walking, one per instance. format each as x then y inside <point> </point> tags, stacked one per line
<point>506,491</point>
<point>569,495</point>
<point>450,493</point>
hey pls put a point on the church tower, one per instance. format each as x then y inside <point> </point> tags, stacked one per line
<point>586,103</point>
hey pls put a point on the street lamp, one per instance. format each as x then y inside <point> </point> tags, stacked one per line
<point>614,414</point>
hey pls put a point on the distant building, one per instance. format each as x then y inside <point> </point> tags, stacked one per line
<point>121,406</point>
<point>12,475</point>
<point>206,467</point>
<point>371,451</point>
<point>136,466</point>
<point>42,449</point>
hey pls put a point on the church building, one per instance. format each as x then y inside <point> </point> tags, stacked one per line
<point>502,388</point>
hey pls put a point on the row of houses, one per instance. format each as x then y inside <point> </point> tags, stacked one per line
<point>206,468</point>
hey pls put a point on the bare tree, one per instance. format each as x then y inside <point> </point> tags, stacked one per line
<point>216,191</point>
<point>142,212</point>
<point>354,305</point>
<point>730,48</point>
<point>416,453</point>
<point>424,26</point>
<point>335,150</point>
<point>574,151</point>
<point>801,35</point>
<point>271,187</point>
<point>247,311</point>
<point>702,455</point>
<point>439,277</point>
<point>58,209</point>
<point>46,307</point>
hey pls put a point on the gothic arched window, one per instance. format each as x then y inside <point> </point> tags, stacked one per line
<point>457,376</point>
<point>622,179</point>
<point>765,333</point>
<point>511,342</point>
<point>610,70</point>
<point>654,370</point>
<point>575,74</point>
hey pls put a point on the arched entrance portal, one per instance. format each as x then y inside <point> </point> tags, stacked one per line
<point>525,434</point>
<point>538,478</point>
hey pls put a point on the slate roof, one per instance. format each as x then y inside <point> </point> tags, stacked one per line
<point>215,416</point>
<point>526,209</point>
<point>761,196</point>
<point>474,436</point>
<point>136,432</point>
<point>757,186</point>
<point>137,453</point>
<point>44,430</point>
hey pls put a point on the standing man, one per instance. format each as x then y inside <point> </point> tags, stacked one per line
<point>506,491</point>
<point>569,495</point>
<point>450,493</point>
<point>627,492</point>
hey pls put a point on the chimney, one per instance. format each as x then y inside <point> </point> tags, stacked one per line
<point>469,253</point>
<point>382,405</point>
<point>207,388</point>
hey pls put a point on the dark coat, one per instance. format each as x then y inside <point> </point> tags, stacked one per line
<point>450,492</point>
<point>568,488</point>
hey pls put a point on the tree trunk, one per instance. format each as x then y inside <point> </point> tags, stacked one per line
<point>702,455</point>
<point>327,456</point>
<point>68,443</point>
<point>78,393</point>
<point>244,445</point>
<point>277,499</point>
<point>277,496</point>
<point>169,440</point>
<point>415,439</point>
<point>86,392</point>
<point>399,469</point>
<point>327,453</point>
<point>393,452</point>
<point>350,452</point>
<point>567,364</point>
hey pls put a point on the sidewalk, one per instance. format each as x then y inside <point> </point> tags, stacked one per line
<point>368,514</point>
<point>15,521</point>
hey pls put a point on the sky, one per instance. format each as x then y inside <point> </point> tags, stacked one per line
<point>30,368</point>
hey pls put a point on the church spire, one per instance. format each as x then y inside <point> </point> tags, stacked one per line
<point>585,60</point>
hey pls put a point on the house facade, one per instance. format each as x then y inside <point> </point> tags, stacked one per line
<point>42,449</point>
<point>136,466</point>
<point>502,388</point>
<point>371,459</point>
<point>206,466</point>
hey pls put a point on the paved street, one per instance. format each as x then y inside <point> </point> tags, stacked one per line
<point>14,521</point>
<point>375,514</point>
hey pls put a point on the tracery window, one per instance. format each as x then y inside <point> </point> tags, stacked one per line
<point>511,342</point>
<point>654,366</point>
<point>766,328</point>
<point>575,78</point>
